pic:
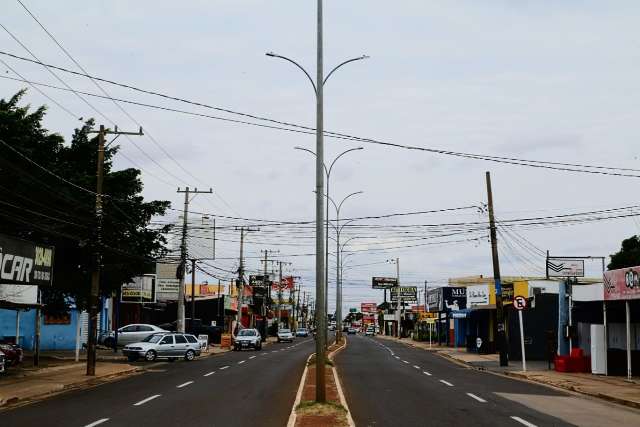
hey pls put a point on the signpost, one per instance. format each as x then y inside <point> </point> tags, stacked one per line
<point>407,293</point>
<point>562,267</point>
<point>520,303</point>
<point>384,282</point>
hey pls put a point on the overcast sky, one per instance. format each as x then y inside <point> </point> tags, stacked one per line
<point>542,80</point>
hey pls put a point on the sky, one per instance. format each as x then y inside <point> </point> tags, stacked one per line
<point>544,80</point>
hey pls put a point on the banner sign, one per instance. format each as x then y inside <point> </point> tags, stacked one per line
<point>478,295</point>
<point>622,284</point>
<point>407,293</point>
<point>368,307</point>
<point>142,289</point>
<point>19,294</point>
<point>559,267</point>
<point>454,298</point>
<point>383,282</point>
<point>230,303</point>
<point>167,283</point>
<point>434,299</point>
<point>25,263</point>
<point>287,283</point>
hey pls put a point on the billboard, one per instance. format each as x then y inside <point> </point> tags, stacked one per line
<point>407,293</point>
<point>259,280</point>
<point>167,282</point>
<point>25,263</point>
<point>622,284</point>
<point>368,307</point>
<point>383,282</point>
<point>288,282</point>
<point>560,267</point>
<point>141,289</point>
<point>478,295</point>
<point>454,298</point>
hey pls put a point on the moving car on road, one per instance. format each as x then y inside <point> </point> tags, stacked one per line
<point>352,331</point>
<point>285,335</point>
<point>164,345</point>
<point>132,333</point>
<point>370,331</point>
<point>302,332</point>
<point>248,338</point>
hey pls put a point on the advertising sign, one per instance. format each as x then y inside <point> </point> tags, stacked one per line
<point>230,303</point>
<point>622,284</point>
<point>259,280</point>
<point>559,267</point>
<point>287,283</point>
<point>19,294</point>
<point>453,298</point>
<point>434,299</point>
<point>383,282</point>
<point>407,293</point>
<point>167,283</point>
<point>25,263</point>
<point>142,289</point>
<point>477,295</point>
<point>368,307</point>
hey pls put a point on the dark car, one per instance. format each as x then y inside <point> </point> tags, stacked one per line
<point>12,353</point>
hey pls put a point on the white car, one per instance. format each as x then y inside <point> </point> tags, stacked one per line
<point>370,331</point>
<point>132,333</point>
<point>2,362</point>
<point>248,338</point>
<point>285,335</point>
<point>164,346</point>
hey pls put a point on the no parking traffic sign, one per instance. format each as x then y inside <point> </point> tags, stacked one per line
<point>520,302</point>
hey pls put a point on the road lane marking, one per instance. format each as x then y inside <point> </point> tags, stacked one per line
<point>148,399</point>
<point>416,366</point>
<point>397,357</point>
<point>209,374</point>
<point>252,357</point>
<point>521,421</point>
<point>184,384</point>
<point>479,399</point>
<point>241,362</point>
<point>426,373</point>
<point>95,423</point>
<point>446,382</point>
<point>404,361</point>
<point>224,367</point>
<point>274,351</point>
<point>265,353</point>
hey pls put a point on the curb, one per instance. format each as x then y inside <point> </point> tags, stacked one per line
<point>336,377</point>
<point>292,416</point>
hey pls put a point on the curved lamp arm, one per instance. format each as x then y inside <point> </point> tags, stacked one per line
<point>343,200</point>
<point>297,147</point>
<point>340,155</point>
<point>275,55</point>
<point>359,58</point>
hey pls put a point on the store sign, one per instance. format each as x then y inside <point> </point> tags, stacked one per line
<point>407,293</point>
<point>434,299</point>
<point>478,295</point>
<point>259,280</point>
<point>286,283</point>
<point>19,294</point>
<point>230,303</point>
<point>142,289</point>
<point>167,284</point>
<point>368,307</point>
<point>383,282</point>
<point>389,317</point>
<point>622,284</point>
<point>559,267</point>
<point>454,298</point>
<point>25,263</point>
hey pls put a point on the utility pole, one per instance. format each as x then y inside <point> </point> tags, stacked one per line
<point>267,298</point>
<point>399,296</point>
<point>240,284</point>
<point>297,308</point>
<point>193,290</point>
<point>502,347</point>
<point>183,253</point>
<point>92,337</point>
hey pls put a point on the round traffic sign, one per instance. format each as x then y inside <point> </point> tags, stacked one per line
<point>478,342</point>
<point>520,302</point>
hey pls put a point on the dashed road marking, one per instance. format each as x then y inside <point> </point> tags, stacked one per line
<point>252,357</point>
<point>95,423</point>
<point>416,366</point>
<point>148,399</point>
<point>184,384</point>
<point>478,398</point>
<point>521,421</point>
<point>397,357</point>
<point>209,374</point>
<point>405,361</point>
<point>274,351</point>
<point>446,383</point>
<point>265,353</point>
<point>426,373</point>
<point>224,367</point>
<point>241,362</point>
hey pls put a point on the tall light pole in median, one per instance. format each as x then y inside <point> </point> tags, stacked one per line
<point>326,254</point>
<point>320,240</point>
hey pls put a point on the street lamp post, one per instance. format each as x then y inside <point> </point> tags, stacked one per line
<point>320,240</point>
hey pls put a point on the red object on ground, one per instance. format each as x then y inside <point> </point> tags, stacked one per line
<point>576,362</point>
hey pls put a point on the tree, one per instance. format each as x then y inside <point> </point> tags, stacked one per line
<point>628,255</point>
<point>47,196</point>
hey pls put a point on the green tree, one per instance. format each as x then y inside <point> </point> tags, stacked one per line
<point>628,255</point>
<point>46,195</point>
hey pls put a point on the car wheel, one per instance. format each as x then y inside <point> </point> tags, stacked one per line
<point>109,342</point>
<point>132,358</point>
<point>278,340</point>
<point>259,347</point>
<point>190,355</point>
<point>150,356</point>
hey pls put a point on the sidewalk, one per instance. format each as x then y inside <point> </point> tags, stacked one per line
<point>613,389</point>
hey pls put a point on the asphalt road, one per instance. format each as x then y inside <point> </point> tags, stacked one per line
<point>232,389</point>
<point>390,384</point>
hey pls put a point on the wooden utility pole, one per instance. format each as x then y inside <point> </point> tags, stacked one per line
<point>92,336</point>
<point>502,342</point>
<point>240,283</point>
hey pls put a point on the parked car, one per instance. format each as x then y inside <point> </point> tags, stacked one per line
<point>164,345</point>
<point>370,331</point>
<point>332,327</point>
<point>2,362</point>
<point>132,333</point>
<point>248,338</point>
<point>285,335</point>
<point>302,332</point>
<point>12,354</point>
<point>196,327</point>
<point>352,331</point>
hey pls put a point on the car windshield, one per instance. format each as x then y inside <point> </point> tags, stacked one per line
<point>247,333</point>
<point>285,331</point>
<point>153,338</point>
<point>302,330</point>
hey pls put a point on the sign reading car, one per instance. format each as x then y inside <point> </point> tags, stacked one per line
<point>25,263</point>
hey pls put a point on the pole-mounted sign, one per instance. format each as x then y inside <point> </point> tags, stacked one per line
<point>384,282</point>
<point>520,303</point>
<point>562,267</point>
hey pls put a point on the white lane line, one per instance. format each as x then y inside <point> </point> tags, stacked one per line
<point>241,362</point>
<point>265,353</point>
<point>416,366</point>
<point>426,373</point>
<point>148,399</point>
<point>397,357</point>
<point>209,374</point>
<point>224,367</point>
<point>184,384</point>
<point>274,351</point>
<point>478,398</point>
<point>95,423</point>
<point>521,421</point>
<point>446,382</point>
<point>252,357</point>
<point>404,361</point>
